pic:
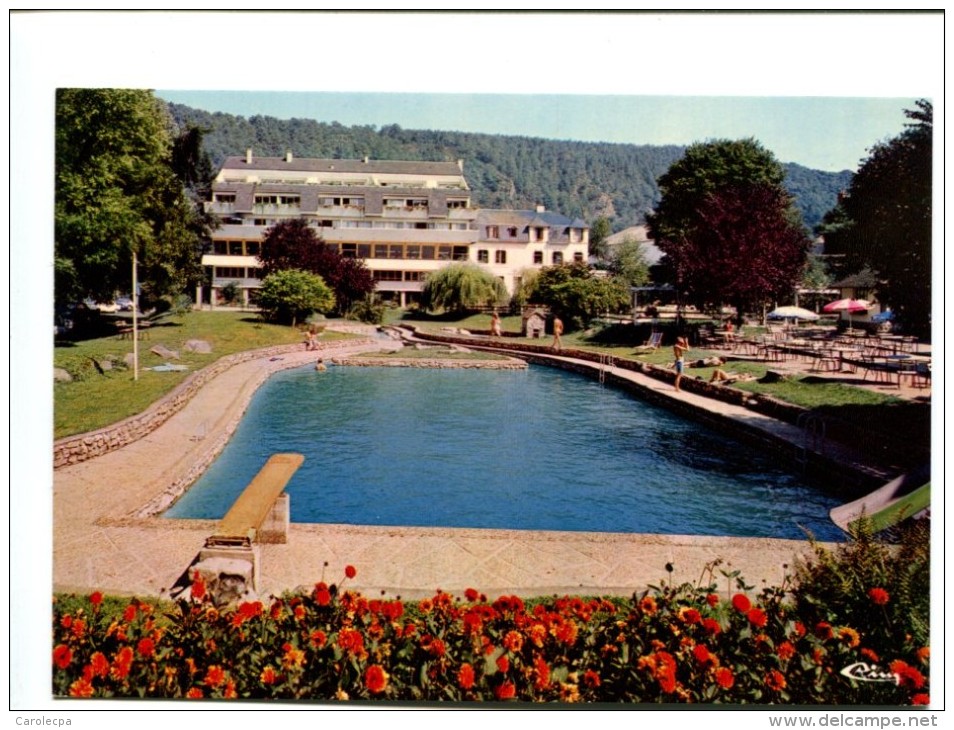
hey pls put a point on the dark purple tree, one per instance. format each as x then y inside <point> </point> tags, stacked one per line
<point>293,244</point>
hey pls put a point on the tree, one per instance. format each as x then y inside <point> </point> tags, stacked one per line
<point>577,296</point>
<point>460,287</point>
<point>291,295</point>
<point>628,263</point>
<point>599,232</point>
<point>728,227</point>
<point>116,194</point>
<point>884,220</point>
<point>293,244</point>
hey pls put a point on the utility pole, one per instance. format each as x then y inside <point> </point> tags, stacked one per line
<point>135,327</point>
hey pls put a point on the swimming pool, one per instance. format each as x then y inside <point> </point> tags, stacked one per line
<point>540,449</point>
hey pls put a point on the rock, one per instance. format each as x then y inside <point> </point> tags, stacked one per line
<point>130,360</point>
<point>200,346</point>
<point>164,352</point>
<point>226,580</point>
<point>61,376</point>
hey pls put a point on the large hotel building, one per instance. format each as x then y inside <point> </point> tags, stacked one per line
<point>404,219</point>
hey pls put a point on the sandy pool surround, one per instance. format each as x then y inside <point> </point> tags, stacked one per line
<point>104,539</point>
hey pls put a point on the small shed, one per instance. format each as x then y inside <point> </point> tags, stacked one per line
<point>534,323</point>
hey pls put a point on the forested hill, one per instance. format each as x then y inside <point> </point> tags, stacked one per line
<point>579,179</point>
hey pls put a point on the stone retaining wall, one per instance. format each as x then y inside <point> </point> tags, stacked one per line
<point>75,449</point>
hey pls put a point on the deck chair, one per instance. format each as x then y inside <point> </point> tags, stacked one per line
<point>652,344</point>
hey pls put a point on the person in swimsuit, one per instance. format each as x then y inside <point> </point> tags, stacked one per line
<point>679,351</point>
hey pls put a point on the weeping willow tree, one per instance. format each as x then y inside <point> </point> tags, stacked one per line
<point>461,287</point>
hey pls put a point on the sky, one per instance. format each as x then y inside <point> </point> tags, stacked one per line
<point>824,133</point>
<point>815,88</point>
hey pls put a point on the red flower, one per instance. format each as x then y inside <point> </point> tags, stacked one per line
<point>775,680</point>
<point>702,654</point>
<point>146,647</point>
<point>471,595</point>
<point>96,598</point>
<point>122,662</point>
<point>214,676</point>
<point>648,605</point>
<point>198,586</point>
<point>921,699</point>
<point>130,613</point>
<point>879,596</point>
<point>465,676</point>
<point>318,638</point>
<point>823,630</point>
<point>322,597</point>
<point>62,656</point>
<point>724,677</point>
<point>437,648</point>
<point>376,679</point>
<point>78,628</point>
<point>907,675</point>
<point>350,571</point>
<point>194,693</point>
<point>591,678</point>
<point>785,651</point>
<point>503,663</point>
<point>870,655</point>
<point>690,616</point>
<point>505,691</point>
<point>711,626</point>
<point>741,603</point>
<point>757,617</point>
<point>712,599</point>
<point>513,641</point>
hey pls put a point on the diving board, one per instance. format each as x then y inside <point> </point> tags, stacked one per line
<point>903,497</point>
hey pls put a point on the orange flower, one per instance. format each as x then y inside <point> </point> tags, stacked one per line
<point>741,603</point>
<point>214,676</point>
<point>122,662</point>
<point>78,628</point>
<point>724,677</point>
<point>542,673</point>
<point>538,634</point>
<point>268,676</point>
<point>81,688</point>
<point>376,679</point>
<point>318,638</point>
<point>194,693</point>
<point>849,636</point>
<point>648,605</point>
<point>99,664</point>
<point>567,633</point>
<point>505,691</point>
<point>229,692</point>
<point>923,654</point>
<point>775,680</point>
<point>465,676</point>
<point>62,656</point>
<point>879,596</point>
<point>293,658</point>
<point>513,641</point>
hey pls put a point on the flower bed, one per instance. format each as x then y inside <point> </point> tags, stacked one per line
<point>671,644</point>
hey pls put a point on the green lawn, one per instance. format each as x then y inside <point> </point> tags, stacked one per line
<point>95,399</point>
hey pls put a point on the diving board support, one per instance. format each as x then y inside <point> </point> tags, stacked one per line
<point>229,563</point>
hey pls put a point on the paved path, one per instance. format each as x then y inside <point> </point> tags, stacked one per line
<point>102,540</point>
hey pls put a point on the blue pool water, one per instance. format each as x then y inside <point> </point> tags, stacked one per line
<point>540,449</point>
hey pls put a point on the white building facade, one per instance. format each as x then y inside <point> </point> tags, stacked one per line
<point>404,219</point>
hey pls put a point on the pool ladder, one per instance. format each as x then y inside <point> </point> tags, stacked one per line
<point>814,429</point>
<point>606,361</point>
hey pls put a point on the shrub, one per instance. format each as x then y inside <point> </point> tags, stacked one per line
<point>669,644</point>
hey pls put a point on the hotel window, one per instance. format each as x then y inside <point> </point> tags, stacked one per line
<point>512,231</point>
<point>254,272</point>
<point>500,257</point>
<point>454,204</point>
<point>493,232</point>
<point>220,248</point>
<point>538,257</point>
<point>252,248</point>
<point>461,253</point>
<point>578,257</point>
<point>414,275</point>
<point>412,251</point>
<point>557,257</point>
<point>538,234</point>
<point>387,275</point>
<point>483,256</point>
<point>225,197</point>
<point>428,253</point>
<point>235,248</point>
<point>260,222</point>
<point>229,272</point>
<point>396,251</point>
<point>380,251</point>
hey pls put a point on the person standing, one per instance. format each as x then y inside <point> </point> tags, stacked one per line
<point>557,331</point>
<point>679,351</point>
<point>495,325</point>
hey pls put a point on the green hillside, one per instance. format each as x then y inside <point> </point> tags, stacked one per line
<point>579,179</point>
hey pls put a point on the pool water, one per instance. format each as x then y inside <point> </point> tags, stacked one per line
<point>540,449</point>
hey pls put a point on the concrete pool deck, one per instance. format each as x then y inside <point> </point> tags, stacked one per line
<point>102,541</point>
